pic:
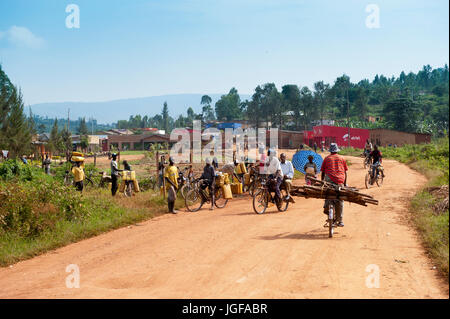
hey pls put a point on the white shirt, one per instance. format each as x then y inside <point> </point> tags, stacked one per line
<point>287,169</point>
<point>273,165</point>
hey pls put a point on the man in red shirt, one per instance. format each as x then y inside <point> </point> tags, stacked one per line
<point>334,170</point>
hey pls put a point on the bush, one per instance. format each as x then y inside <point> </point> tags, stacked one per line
<point>29,208</point>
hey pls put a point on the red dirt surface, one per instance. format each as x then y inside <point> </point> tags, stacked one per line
<point>235,253</point>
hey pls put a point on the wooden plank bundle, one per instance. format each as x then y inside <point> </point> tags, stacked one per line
<point>326,190</point>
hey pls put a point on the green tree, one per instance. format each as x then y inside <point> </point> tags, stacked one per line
<point>402,114</point>
<point>165,118</point>
<point>207,110</point>
<point>17,131</point>
<point>66,139</point>
<point>83,129</point>
<point>321,97</point>
<point>229,106</point>
<point>55,138</point>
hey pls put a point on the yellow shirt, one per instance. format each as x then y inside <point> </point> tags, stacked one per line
<point>171,172</point>
<point>78,174</point>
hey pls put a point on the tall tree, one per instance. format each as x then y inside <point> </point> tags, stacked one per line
<point>320,94</point>
<point>55,138</point>
<point>17,132</point>
<point>207,110</point>
<point>165,118</point>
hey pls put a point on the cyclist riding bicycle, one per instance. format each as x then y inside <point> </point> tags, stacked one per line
<point>209,180</point>
<point>367,148</point>
<point>274,172</point>
<point>334,170</point>
<point>377,159</point>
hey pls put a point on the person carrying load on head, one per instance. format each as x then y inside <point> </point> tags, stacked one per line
<point>78,176</point>
<point>209,180</point>
<point>310,169</point>
<point>171,178</point>
<point>334,170</point>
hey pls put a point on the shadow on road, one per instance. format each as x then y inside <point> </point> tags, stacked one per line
<point>306,236</point>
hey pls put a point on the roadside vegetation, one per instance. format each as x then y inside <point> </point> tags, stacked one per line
<point>430,206</point>
<point>39,213</point>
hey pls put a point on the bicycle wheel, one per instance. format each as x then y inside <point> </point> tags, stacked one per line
<point>260,201</point>
<point>193,200</point>
<point>184,190</point>
<point>283,206</point>
<point>367,180</point>
<point>379,180</point>
<point>330,220</point>
<point>219,200</point>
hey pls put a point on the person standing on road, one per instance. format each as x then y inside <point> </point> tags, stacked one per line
<point>315,147</point>
<point>171,177</point>
<point>78,176</point>
<point>334,170</point>
<point>114,174</point>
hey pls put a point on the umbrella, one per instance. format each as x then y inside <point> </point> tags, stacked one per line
<point>301,158</point>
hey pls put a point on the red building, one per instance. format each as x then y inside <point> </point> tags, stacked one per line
<point>335,134</point>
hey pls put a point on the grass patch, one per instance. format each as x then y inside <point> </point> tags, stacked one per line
<point>432,161</point>
<point>135,152</point>
<point>433,228</point>
<point>38,213</point>
<point>104,215</point>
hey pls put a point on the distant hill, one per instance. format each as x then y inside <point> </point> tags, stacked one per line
<point>112,111</point>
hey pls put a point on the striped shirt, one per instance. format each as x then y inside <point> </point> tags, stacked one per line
<point>335,167</point>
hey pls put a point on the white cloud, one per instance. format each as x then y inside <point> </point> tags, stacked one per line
<point>22,37</point>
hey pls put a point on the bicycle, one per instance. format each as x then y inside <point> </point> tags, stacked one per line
<point>331,221</point>
<point>378,178</point>
<point>263,197</point>
<point>196,197</point>
<point>367,159</point>
<point>255,181</point>
<point>187,186</point>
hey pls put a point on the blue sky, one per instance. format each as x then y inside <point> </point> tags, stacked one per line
<point>138,48</point>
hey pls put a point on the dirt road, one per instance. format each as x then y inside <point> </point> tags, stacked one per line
<point>234,253</point>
